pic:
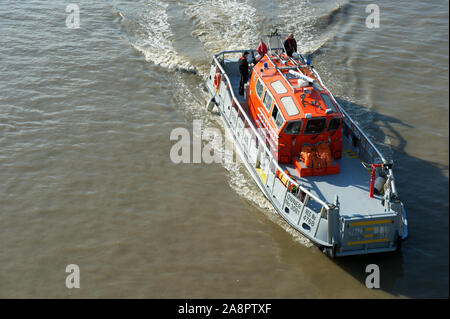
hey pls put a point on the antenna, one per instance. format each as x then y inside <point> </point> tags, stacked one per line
<point>279,43</point>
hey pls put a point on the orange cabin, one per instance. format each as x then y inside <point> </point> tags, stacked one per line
<point>301,122</point>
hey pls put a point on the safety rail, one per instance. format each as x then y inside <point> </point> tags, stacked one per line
<point>361,132</point>
<point>262,142</point>
<point>281,73</point>
<point>295,65</point>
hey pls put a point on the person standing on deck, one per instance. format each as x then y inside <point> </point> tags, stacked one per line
<point>243,70</point>
<point>262,49</point>
<point>290,45</point>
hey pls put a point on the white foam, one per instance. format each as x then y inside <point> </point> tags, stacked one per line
<point>243,184</point>
<point>152,37</point>
<point>221,25</point>
<point>218,25</point>
<point>299,17</point>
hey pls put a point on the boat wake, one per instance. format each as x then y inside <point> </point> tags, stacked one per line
<point>149,32</point>
<point>191,98</point>
<point>224,24</point>
<point>312,27</point>
<point>217,26</point>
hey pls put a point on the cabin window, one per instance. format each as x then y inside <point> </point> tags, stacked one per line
<point>267,100</point>
<point>279,87</point>
<point>277,117</point>
<point>315,126</point>
<point>334,124</point>
<point>328,102</point>
<point>259,88</point>
<point>289,105</point>
<point>294,127</point>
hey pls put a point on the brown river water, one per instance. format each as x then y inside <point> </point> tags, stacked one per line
<point>85,171</point>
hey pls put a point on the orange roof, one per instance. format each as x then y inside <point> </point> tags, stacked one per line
<point>282,84</point>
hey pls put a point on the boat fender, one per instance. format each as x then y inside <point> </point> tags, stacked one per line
<point>379,185</point>
<point>210,105</point>
<point>301,76</point>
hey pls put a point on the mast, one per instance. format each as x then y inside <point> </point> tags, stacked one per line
<point>279,44</point>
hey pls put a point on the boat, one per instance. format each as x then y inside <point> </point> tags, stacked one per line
<point>317,167</point>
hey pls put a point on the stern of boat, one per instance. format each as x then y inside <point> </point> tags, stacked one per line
<point>379,232</point>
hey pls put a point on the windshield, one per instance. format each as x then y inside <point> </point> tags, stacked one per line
<point>334,124</point>
<point>293,127</point>
<point>315,126</point>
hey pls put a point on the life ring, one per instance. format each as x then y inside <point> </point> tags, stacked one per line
<point>217,78</point>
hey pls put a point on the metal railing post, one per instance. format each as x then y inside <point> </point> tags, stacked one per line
<point>305,202</point>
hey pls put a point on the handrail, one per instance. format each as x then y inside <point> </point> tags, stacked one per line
<point>348,116</point>
<point>238,51</point>
<point>393,188</point>
<point>281,73</point>
<point>262,141</point>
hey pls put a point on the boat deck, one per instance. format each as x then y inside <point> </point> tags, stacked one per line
<point>351,184</point>
<point>232,70</point>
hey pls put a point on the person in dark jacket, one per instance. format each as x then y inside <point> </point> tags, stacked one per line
<point>290,45</point>
<point>243,70</point>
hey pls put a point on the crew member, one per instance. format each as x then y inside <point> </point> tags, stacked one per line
<point>262,48</point>
<point>290,45</point>
<point>243,70</point>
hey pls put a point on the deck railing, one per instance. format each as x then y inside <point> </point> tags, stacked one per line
<point>366,145</point>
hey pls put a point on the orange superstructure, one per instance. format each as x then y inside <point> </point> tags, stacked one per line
<point>301,121</point>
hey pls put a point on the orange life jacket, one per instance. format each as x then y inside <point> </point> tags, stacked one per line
<point>316,156</point>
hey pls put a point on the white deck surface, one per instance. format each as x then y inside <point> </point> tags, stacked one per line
<point>351,185</point>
